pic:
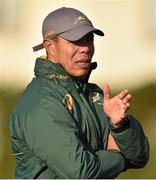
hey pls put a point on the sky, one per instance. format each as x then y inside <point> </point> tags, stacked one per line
<point>126,55</point>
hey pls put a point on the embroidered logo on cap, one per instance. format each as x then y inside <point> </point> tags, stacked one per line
<point>80,20</point>
<point>49,34</point>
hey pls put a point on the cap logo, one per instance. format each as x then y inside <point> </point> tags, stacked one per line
<point>49,34</point>
<point>80,20</point>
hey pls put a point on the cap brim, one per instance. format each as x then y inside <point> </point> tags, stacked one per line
<point>79,32</point>
<point>75,34</point>
<point>38,47</point>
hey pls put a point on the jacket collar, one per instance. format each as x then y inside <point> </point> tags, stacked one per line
<point>49,70</point>
<point>56,72</point>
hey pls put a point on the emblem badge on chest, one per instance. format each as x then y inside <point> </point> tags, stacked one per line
<point>96,98</point>
<point>69,101</point>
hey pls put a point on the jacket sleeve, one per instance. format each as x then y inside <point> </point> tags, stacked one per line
<point>132,142</point>
<point>51,132</point>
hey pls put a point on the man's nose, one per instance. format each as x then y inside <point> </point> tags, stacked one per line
<point>85,49</point>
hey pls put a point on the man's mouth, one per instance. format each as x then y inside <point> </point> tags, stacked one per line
<point>83,62</point>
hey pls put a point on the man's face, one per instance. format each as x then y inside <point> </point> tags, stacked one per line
<point>75,56</point>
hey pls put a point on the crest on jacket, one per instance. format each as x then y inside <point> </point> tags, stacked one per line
<point>96,98</point>
<point>68,100</point>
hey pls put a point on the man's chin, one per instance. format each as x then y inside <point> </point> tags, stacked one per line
<point>80,75</point>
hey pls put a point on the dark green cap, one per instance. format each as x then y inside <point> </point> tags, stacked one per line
<point>68,23</point>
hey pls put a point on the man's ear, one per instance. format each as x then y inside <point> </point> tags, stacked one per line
<point>48,45</point>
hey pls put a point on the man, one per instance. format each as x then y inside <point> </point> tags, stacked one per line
<point>63,126</point>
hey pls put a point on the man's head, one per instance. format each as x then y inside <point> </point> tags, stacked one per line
<point>68,40</point>
<point>75,57</point>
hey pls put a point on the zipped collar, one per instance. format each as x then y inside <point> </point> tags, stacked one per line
<point>55,72</point>
<point>49,70</point>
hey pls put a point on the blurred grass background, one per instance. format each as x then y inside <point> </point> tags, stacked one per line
<point>143,107</point>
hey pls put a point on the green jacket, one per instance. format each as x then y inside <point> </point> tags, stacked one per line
<point>59,130</point>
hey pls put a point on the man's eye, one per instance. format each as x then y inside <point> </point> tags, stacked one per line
<point>77,42</point>
<point>91,39</point>
<point>84,41</point>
